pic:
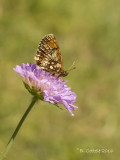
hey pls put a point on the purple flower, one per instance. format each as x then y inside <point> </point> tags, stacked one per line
<point>52,89</point>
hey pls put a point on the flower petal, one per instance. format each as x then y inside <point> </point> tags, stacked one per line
<point>53,88</point>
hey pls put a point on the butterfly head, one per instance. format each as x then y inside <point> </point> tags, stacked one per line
<point>63,74</point>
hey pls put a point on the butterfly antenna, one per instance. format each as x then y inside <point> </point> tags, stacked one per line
<point>72,67</point>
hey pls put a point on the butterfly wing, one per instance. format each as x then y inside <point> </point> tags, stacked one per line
<point>48,55</point>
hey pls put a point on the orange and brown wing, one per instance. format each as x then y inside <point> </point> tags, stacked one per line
<point>48,55</point>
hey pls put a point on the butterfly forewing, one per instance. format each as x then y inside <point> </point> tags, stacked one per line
<point>48,56</point>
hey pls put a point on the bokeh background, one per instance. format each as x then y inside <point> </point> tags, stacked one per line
<point>88,32</point>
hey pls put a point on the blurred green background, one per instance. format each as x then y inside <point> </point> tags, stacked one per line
<point>88,32</point>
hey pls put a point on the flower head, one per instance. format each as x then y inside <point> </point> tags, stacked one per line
<point>46,87</point>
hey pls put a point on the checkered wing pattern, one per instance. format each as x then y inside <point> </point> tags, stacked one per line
<point>48,56</point>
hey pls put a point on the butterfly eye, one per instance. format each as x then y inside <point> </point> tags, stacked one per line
<point>65,73</point>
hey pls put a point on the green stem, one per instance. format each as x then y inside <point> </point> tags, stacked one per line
<point>3,154</point>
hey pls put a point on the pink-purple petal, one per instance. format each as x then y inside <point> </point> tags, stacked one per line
<point>53,88</point>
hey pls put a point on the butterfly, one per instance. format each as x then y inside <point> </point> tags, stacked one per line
<point>48,56</point>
